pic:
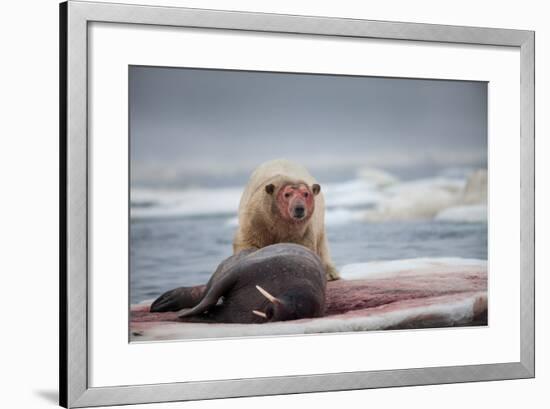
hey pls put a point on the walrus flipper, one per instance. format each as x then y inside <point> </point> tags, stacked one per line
<point>212,294</point>
<point>221,281</point>
<point>178,298</point>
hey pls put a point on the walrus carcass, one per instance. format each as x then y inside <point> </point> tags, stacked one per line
<point>276,283</point>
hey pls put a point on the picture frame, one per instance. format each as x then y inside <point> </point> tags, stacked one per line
<point>75,174</point>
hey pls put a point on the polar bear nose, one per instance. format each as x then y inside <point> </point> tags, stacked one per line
<point>299,211</point>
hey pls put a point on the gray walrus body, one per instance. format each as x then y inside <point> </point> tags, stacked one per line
<point>276,283</point>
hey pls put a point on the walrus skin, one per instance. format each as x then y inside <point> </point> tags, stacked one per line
<point>276,283</point>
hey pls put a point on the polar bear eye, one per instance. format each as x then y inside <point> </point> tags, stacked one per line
<point>287,195</point>
<point>306,194</point>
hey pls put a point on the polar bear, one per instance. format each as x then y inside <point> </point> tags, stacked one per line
<point>283,203</point>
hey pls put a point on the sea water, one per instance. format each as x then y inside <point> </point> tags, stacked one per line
<point>179,236</point>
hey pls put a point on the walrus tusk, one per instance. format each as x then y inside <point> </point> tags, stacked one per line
<point>267,295</point>
<point>259,313</point>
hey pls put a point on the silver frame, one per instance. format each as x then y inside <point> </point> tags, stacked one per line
<point>74,19</point>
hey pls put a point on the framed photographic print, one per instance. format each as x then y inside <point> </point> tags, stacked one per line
<point>259,204</point>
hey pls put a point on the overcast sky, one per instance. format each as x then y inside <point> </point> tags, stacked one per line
<point>188,125</point>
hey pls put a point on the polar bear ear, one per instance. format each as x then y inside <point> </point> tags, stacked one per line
<point>315,188</point>
<point>270,188</point>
